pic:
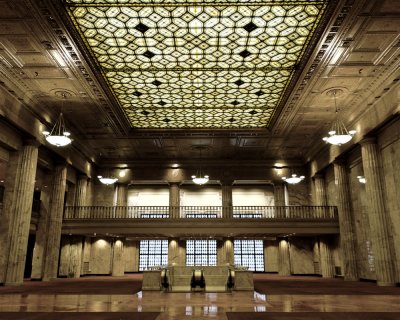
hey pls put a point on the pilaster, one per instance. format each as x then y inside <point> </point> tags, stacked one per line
<point>378,217</point>
<point>326,259</point>
<point>284,257</point>
<point>347,237</point>
<point>174,199</point>
<point>20,210</point>
<point>118,262</point>
<point>279,199</point>
<point>55,223</point>
<point>227,199</point>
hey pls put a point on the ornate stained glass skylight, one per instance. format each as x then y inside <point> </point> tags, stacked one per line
<point>191,64</point>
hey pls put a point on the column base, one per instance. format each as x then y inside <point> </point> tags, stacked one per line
<point>351,279</point>
<point>386,284</point>
<point>13,283</point>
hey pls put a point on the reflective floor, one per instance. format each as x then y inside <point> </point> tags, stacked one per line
<point>197,305</point>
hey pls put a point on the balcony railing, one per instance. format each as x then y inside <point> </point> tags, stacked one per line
<point>201,212</point>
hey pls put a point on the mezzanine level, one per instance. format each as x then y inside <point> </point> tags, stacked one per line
<point>201,220</point>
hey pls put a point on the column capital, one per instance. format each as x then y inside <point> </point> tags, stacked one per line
<point>226,181</point>
<point>174,183</point>
<point>32,142</point>
<point>368,140</point>
<point>61,163</point>
<point>318,176</point>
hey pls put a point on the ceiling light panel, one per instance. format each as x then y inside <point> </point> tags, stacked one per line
<point>211,64</point>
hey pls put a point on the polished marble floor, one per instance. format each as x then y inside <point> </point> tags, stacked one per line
<point>197,305</point>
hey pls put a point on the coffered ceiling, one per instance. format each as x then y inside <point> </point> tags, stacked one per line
<point>115,106</point>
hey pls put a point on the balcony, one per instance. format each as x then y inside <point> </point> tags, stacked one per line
<point>201,220</point>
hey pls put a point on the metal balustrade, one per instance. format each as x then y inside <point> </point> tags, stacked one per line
<point>201,212</point>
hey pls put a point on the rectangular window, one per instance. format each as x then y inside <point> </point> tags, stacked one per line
<point>153,253</point>
<point>201,252</point>
<point>249,253</point>
<point>154,215</point>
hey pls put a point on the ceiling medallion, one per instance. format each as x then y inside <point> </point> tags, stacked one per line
<point>202,51</point>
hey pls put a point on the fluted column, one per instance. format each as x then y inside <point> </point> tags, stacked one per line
<point>21,209</point>
<point>284,258</point>
<point>176,252</point>
<point>174,199</point>
<point>55,223</point>
<point>380,230</point>
<point>118,262</point>
<point>347,241</point>
<point>225,254</point>
<point>227,200</point>
<point>279,199</point>
<point>81,191</point>
<point>320,191</point>
<point>326,259</point>
<point>81,195</point>
<point>122,194</point>
<point>121,201</point>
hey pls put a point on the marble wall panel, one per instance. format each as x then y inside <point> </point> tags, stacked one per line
<point>100,256</point>
<point>271,255</point>
<point>131,256</point>
<point>301,255</point>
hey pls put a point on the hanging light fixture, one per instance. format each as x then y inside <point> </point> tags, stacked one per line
<point>59,135</point>
<point>294,179</point>
<point>338,133</point>
<point>361,179</point>
<point>199,178</point>
<point>108,178</point>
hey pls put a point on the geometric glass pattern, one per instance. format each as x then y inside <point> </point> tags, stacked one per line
<point>209,64</point>
<point>201,252</point>
<point>249,253</point>
<point>153,253</point>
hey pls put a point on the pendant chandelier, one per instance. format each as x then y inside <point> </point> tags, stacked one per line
<point>107,178</point>
<point>199,178</point>
<point>338,133</point>
<point>59,135</point>
<point>294,179</point>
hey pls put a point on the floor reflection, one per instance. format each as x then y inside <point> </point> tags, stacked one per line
<point>198,305</point>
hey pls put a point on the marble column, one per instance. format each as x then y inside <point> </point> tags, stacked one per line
<point>320,190</point>
<point>279,199</point>
<point>118,262</point>
<point>75,259</point>
<point>85,266</point>
<point>176,252</point>
<point>71,195</point>
<point>81,191</point>
<point>55,223</point>
<point>380,230</point>
<point>347,237</point>
<point>121,201</point>
<point>20,212</point>
<point>227,200</point>
<point>174,199</point>
<point>81,195</point>
<point>41,235</point>
<point>284,258</point>
<point>326,260</point>
<point>225,255</point>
